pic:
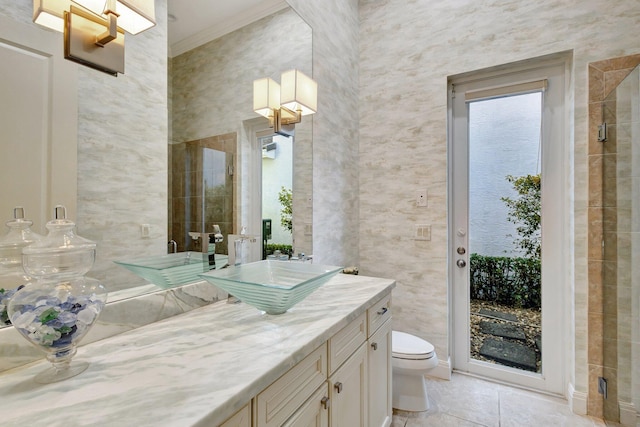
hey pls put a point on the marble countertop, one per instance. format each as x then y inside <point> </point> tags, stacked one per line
<point>193,369</point>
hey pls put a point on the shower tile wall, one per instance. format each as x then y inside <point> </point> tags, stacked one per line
<point>609,213</point>
<point>190,201</point>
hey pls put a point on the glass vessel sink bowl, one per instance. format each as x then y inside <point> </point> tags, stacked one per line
<point>272,286</point>
<point>172,269</point>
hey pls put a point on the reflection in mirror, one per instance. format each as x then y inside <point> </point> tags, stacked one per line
<point>212,98</point>
<point>277,161</point>
<point>210,94</point>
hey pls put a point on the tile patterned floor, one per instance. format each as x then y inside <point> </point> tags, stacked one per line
<point>470,402</point>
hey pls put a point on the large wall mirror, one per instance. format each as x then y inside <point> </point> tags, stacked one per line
<point>210,104</point>
<point>222,153</point>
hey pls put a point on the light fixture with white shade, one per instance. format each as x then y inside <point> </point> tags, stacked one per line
<point>94,29</point>
<point>285,103</point>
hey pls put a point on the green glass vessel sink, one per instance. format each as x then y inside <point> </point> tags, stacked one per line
<point>272,286</point>
<point>172,269</point>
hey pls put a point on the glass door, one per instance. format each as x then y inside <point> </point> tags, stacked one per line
<point>507,290</point>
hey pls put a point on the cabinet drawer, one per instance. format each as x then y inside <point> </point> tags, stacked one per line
<point>281,399</point>
<point>378,314</point>
<point>344,343</point>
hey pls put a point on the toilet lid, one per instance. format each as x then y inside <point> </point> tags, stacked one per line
<point>407,346</point>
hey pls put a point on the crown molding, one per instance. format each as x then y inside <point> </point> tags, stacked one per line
<point>209,34</point>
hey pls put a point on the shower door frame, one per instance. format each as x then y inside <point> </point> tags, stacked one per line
<point>552,379</point>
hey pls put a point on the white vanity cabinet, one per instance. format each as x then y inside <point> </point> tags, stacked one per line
<point>348,391</point>
<point>285,397</point>
<point>346,382</point>
<point>379,364</point>
<point>242,418</point>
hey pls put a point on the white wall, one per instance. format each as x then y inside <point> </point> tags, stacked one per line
<point>504,137</point>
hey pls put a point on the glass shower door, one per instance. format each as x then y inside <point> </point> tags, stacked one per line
<point>621,257</point>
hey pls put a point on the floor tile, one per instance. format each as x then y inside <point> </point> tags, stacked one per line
<point>467,401</point>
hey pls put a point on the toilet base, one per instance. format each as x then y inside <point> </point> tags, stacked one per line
<point>410,392</point>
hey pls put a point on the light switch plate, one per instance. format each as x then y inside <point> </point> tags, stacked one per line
<point>423,232</point>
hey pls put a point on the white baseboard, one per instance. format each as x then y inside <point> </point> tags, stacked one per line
<point>628,414</point>
<point>577,400</point>
<point>442,371</point>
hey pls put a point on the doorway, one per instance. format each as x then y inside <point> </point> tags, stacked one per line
<point>277,193</point>
<point>506,204</point>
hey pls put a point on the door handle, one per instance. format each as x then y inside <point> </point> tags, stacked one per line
<point>461,263</point>
<point>338,387</point>
<point>325,402</point>
<point>374,346</point>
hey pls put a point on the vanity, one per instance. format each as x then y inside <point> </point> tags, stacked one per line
<point>325,362</point>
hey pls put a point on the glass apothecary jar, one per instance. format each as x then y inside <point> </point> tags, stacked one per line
<point>56,311</point>
<point>12,275</point>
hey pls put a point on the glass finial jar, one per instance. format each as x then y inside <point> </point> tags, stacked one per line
<point>12,275</point>
<point>56,311</point>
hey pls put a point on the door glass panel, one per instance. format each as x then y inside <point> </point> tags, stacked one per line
<point>277,194</point>
<point>504,137</point>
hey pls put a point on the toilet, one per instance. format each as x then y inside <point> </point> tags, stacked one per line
<point>412,358</point>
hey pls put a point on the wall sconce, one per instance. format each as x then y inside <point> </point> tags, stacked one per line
<point>285,104</point>
<point>94,29</point>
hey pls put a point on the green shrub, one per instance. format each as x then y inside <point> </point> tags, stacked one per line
<point>524,212</point>
<point>505,280</point>
<point>272,247</point>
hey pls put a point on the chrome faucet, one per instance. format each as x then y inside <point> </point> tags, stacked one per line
<point>173,246</point>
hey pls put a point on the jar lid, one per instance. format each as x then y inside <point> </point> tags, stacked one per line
<point>61,252</point>
<point>19,236</point>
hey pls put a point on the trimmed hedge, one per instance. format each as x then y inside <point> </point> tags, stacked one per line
<point>272,247</point>
<point>505,280</point>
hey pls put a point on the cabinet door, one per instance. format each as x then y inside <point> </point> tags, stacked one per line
<point>348,392</point>
<point>315,412</point>
<point>380,387</point>
<point>242,418</point>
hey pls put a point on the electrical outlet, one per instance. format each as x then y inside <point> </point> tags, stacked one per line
<point>423,232</point>
<point>421,199</point>
<point>145,230</point>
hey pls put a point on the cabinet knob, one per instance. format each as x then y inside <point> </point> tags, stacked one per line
<point>338,386</point>
<point>382,311</point>
<point>374,345</point>
<point>325,402</point>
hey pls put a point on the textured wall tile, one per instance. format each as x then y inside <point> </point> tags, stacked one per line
<point>407,51</point>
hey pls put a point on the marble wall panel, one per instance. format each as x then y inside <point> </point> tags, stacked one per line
<point>335,129</point>
<point>407,51</point>
<point>122,155</point>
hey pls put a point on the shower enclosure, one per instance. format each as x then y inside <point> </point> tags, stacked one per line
<point>614,225</point>
<point>201,183</point>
